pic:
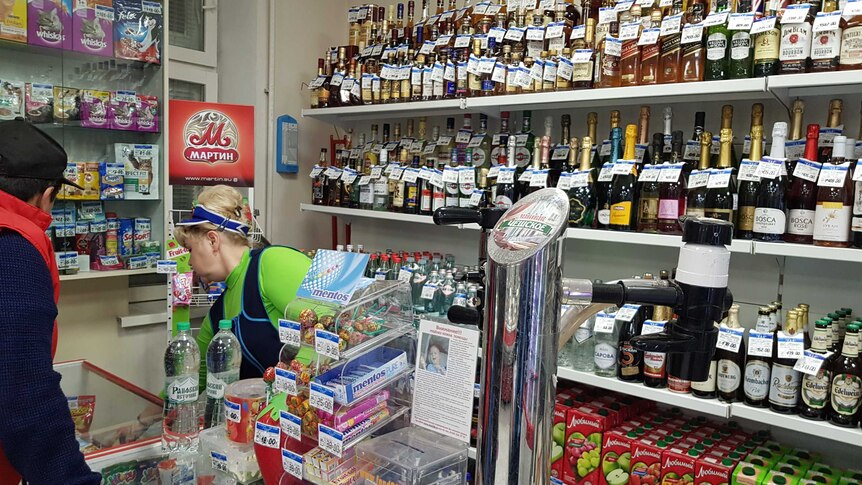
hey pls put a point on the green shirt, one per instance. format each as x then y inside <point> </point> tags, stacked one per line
<point>280,274</point>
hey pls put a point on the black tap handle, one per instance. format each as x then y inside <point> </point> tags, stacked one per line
<point>662,342</point>
<point>464,316</point>
<point>619,294</point>
<point>486,217</point>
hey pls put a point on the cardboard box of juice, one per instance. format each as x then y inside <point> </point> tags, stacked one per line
<point>777,478</point>
<point>677,466</point>
<point>748,474</point>
<point>93,27</point>
<point>49,23</point>
<point>558,447</point>
<point>616,458</point>
<point>826,470</point>
<point>764,454</point>
<point>13,20</point>
<point>646,461</point>
<point>821,478</point>
<point>797,471</point>
<point>583,447</point>
<point>713,470</point>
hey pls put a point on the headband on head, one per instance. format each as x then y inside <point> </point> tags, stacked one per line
<point>202,215</point>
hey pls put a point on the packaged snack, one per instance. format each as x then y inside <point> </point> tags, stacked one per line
<point>39,103</point>
<point>72,174</point>
<point>94,108</point>
<point>363,375</point>
<point>13,20</point>
<point>148,472</point>
<point>67,104</point>
<point>138,30</point>
<point>122,109</point>
<point>49,23</point>
<point>141,164</point>
<point>121,474</point>
<point>112,243</point>
<point>82,237</point>
<point>126,237</point>
<point>82,409</point>
<point>143,233</point>
<point>11,97</point>
<point>93,27</point>
<point>182,288</point>
<point>111,183</point>
<point>148,114</point>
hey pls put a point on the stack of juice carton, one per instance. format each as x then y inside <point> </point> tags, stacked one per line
<point>602,438</point>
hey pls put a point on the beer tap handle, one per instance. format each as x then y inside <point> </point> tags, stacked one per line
<point>486,217</point>
<point>464,316</point>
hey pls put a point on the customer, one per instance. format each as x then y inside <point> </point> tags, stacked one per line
<point>36,429</point>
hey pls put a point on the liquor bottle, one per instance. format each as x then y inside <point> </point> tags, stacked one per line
<point>769,214</point>
<point>667,148</point>
<point>726,124</point>
<point>505,191</point>
<point>846,385</point>
<point>583,73</point>
<point>697,184</point>
<point>741,47</point>
<point>784,390</point>
<point>670,59</point>
<point>604,188</point>
<point>721,195</point>
<point>766,46</point>
<point>605,153</point>
<point>504,133</point>
<point>815,388</point>
<point>802,195</point>
<point>856,222</point>
<point>324,92</point>
<point>731,364</point>
<point>608,70</point>
<point>648,201</point>
<point>623,197</point>
<point>398,187</point>
<point>466,179</point>
<point>649,55</point>
<point>335,185</point>
<point>630,367</point>
<point>642,154</point>
<point>851,44</point>
<point>426,190</point>
<point>757,120</point>
<point>757,369</point>
<point>453,189</point>
<point>826,46</point>
<point>707,389</point>
<point>717,65</point>
<point>549,74</point>
<point>474,79</point>
<point>690,156</point>
<point>833,127</point>
<point>381,186</point>
<point>582,197</point>
<point>525,142</point>
<point>693,55</point>
<point>835,189</point>
<point>465,134</point>
<point>561,151</point>
<point>630,59</point>
<point>795,44</point>
<point>592,128</point>
<point>412,194</point>
<point>319,184</point>
<point>671,204</point>
<point>655,363</point>
<point>749,185</point>
<point>438,193</point>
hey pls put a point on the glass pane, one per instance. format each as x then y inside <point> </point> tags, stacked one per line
<point>186,90</point>
<point>187,24</point>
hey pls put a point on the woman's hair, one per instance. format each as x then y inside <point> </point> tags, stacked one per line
<point>223,200</point>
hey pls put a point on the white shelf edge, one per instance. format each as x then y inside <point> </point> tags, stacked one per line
<point>686,401</point>
<point>380,215</point>
<point>371,111</point>
<point>90,275</point>
<point>822,429</point>
<point>808,251</point>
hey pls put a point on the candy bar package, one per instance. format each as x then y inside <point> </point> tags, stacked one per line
<point>111,183</point>
<point>138,30</point>
<point>13,20</point>
<point>49,23</point>
<point>94,108</point>
<point>141,163</point>
<point>67,104</point>
<point>93,27</point>
<point>39,103</point>
<point>121,110</point>
<point>147,118</point>
<point>11,98</point>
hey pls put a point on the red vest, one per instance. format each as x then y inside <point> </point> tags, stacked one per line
<point>31,223</point>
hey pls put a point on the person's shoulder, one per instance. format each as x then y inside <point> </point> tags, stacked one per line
<point>21,260</point>
<point>284,254</point>
<point>13,243</point>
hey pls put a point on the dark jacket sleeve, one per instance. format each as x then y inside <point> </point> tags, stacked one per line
<point>36,429</point>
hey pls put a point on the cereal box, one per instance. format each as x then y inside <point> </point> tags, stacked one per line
<point>11,99</point>
<point>138,30</point>
<point>93,27</point>
<point>94,108</point>
<point>39,103</point>
<point>49,23</point>
<point>141,164</point>
<point>13,20</point>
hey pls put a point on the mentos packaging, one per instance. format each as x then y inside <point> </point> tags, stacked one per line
<point>147,116</point>
<point>646,461</point>
<point>93,27</point>
<point>677,467</point>
<point>94,108</point>
<point>617,458</point>
<point>122,110</point>
<point>583,447</point>
<point>13,20</point>
<point>49,23</point>
<point>143,232</point>
<point>138,30</point>
<point>710,470</point>
<point>126,237</point>
<point>558,447</point>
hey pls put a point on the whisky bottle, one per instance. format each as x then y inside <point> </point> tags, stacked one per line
<point>833,128</point>
<point>397,186</point>
<point>717,65</point>
<point>604,187</point>
<point>741,47</point>
<point>846,385</point>
<point>649,55</point>
<point>325,90</point>
<point>731,364</point>
<point>766,46</point>
<point>549,74</point>
<point>583,72</point>
<point>835,189</point>
<point>826,46</point>
<point>513,69</point>
<point>851,45</point>
<point>699,179</point>
<point>786,381</point>
<point>630,59</point>
<point>802,195</point>
<point>749,184</point>
<point>769,215</point>
<point>721,193</point>
<point>693,55</point>
<point>611,49</point>
<point>474,79</point>
<point>582,194</point>
<point>670,59</point>
<point>671,204</point>
<point>564,70</point>
<point>624,192</point>
<point>815,388</point>
<point>795,44</point>
<point>757,367</point>
<point>648,199</point>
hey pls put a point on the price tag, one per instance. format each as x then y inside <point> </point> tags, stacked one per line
<point>578,32</point>
<point>613,47</point>
<point>827,135</point>
<point>493,171</point>
<point>645,3</point>
<point>443,40</point>
<point>317,82</point>
<point>497,33</point>
<point>376,171</point>
<point>326,343</point>
<point>729,338</point>
<point>467,175</point>
<point>219,461</point>
<point>330,440</point>
<point>437,179</point>
<point>649,36</point>
<point>580,179</point>
<point>763,25</point>
<point>289,332</point>
<point>437,73</point>
<point>607,15</point>
<point>793,150</point>
<point>606,174</point>
<point>629,30</point>
<point>507,175</point>
<point>719,178</point>
<point>790,346</point>
<point>691,150</point>
<point>623,167</point>
<point>740,21</point>
<point>670,172</point>
<point>769,168</point>
<point>315,172</point>
<point>539,178</point>
<point>748,171</point>
<point>560,152</point>
<point>428,291</point>
<point>377,51</point>
<point>499,74</point>
<point>535,33</point>
<point>857,173</point>
<point>526,176</point>
<point>537,71</point>
<point>692,33</point>
<point>627,312</point>
<point>833,175</point>
<point>760,344</point>
<point>348,176</point>
<point>825,22</point>
<point>811,362</point>
<point>463,41</point>
<point>410,175</point>
<point>582,56</point>
<point>665,3</point>
<point>650,327</point>
<point>515,34</point>
<point>715,18</point>
<point>807,169</point>
<point>266,435</point>
<point>396,173</point>
<point>624,5</point>
<point>321,397</point>
<point>285,381</point>
<point>475,197</point>
<point>550,72</point>
<point>427,47</point>
<point>554,30</point>
<point>604,323</point>
<point>493,10</point>
<point>565,181</point>
<point>425,173</point>
<point>291,463</point>
<point>795,13</point>
<point>231,411</point>
<point>450,175</point>
<point>671,24</point>
<point>166,267</point>
<point>650,173</point>
<point>698,178</point>
<point>852,7</point>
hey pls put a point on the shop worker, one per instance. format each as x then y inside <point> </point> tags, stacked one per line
<point>37,436</point>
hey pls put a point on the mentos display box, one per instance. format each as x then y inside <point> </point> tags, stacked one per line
<point>49,23</point>
<point>93,27</point>
<point>138,30</point>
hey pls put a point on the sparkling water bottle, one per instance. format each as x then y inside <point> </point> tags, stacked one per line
<point>224,356</point>
<point>181,423</point>
<point>431,289</point>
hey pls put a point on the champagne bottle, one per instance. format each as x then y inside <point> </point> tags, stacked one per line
<point>749,185</point>
<point>649,191</point>
<point>698,180</point>
<point>604,188</point>
<point>721,195</point>
<point>671,203</point>
<point>769,214</point>
<point>624,192</point>
<point>802,195</point>
<point>582,198</point>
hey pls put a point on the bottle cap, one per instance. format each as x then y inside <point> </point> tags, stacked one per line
<point>225,324</point>
<point>183,326</point>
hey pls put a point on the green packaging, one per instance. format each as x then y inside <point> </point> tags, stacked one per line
<point>748,474</point>
<point>802,465</point>
<point>821,478</point>
<point>777,478</point>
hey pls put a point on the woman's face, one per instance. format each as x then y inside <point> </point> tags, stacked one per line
<point>434,356</point>
<point>204,256</point>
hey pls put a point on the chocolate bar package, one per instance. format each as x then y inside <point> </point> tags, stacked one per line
<point>93,27</point>
<point>49,23</point>
<point>138,30</point>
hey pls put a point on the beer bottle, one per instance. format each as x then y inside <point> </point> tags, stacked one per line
<point>757,368</point>
<point>784,389</point>
<point>731,364</point>
<point>846,385</point>
<point>815,388</point>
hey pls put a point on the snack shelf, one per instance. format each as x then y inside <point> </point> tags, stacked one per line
<point>76,125</point>
<point>821,429</point>
<point>68,54</point>
<point>91,275</point>
<point>396,413</point>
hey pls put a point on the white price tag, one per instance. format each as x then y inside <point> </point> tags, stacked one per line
<point>427,47</point>
<point>498,33</point>
<point>219,461</point>
<point>515,34</point>
<point>267,435</point>
<point>376,172</point>
<point>794,149</point>
<point>428,292</point>
<point>330,440</point>
<point>232,411</point>
<point>671,24</point>
<point>499,74</point>
<point>467,175</point>
<point>437,73</point>
<point>443,40</point>
<point>719,178</point>
<point>748,171</point>
<point>493,171</point>
<point>526,176</point>
<point>763,25</point>
<point>670,173</point>
<point>857,173</point>
<point>326,343</point>
<point>450,175</point>
<point>560,153</point>
<point>629,30</point>
<point>475,197</point>
<point>790,346</point>
<point>285,381</point>
<point>825,22</point>
<point>833,175</point>
<point>550,72</point>
<point>715,18</point>
<point>665,3</point>
<point>650,327</point>
<point>425,173</point>
<point>507,175</point>
<point>740,21</point>
<point>698,178</point>
<point>760,344</point>
<point>852,7</point>
<point>795,13</point>
<point>166,267</point>
<point>624,5</point>
<point>321,397</point>
<point>437,179</point>
<point>692,33</point>
<point>463,41</point>
<point>807,169</point>
<point>691,150</point>
<point>410,175</point>
<point>613,47</point>
<point>291,463</point>
<point>811,362</point>
<point>539,178</point>
<point>565,69</point>
<point>729,338</point>
<point>607,15</point>
<point>349,176</point>
<point>578,32</point>
<point>554,30</point>
<point>827,135</point>
<point>405,274</point>
<point>317,82</point>
<point>565,181</point>
<point>444,140</point>
<point>463,137</point>
<point>581,178</point>
<point>604,323</point>
<point>769,167</point>
<point>627,312</point>
<point>389,167</point>
<point>396,173</point>
<point>649,36</point>
<point>623,167</point>
<point>316,171</point>
<point>606,174</point>
<point>650,173</point>
<point>645,3</point>
<point>537,71</point>
<point>536,32</point>
<point>582,56</point>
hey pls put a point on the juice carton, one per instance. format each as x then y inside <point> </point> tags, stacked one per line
<point>616,458</point>
<point>855,475</point>
<point>806,456</point>
<point>559,436</point>
<point>677,467</point>
<point>138,30</point>
<point>583,447</point>
<point>13,20</point>
<point>827,470</point>
<point>49,23</point>
<point>849,481</point>
<point>646,460</point>
<point>766,454</point>
<point>820,478</point>
<point>801,466</point>
<point>777,478</point>
<point>748,474</point>
<point>711,470</point>
<point>93,27</point>
<point>776,448</point>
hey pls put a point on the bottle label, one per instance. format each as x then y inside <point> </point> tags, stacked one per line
<point>795,42</point>
<point>675,384</point>
<point>654,365</point>
<point>769,221</point>
<point>740,45</point>
<point>668,209</point>
<point>766,46</point>
<point>784,388</point>
<point>832,222</point>
<point>815,389</point>
<point>605,355</point>
<point>801,222</point>
<point>604,216</point>
<point>728,376</point>
<point>621,214</point>
<point>649,210</point>
<point>826,45</point>
<point>709,384</point>
<point>851,46</point>
<point>756,385</point>
<point>629,360</point>
<point>745,220</point>
<point>583,333</point>
<point>582,71</point>
<point>846,394</point>
<point>716,46</point>
<point>218,381</point>
<point>182,389</point>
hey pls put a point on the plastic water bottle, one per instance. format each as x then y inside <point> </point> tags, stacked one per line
<point>224,356</point>
<point>181,423</point>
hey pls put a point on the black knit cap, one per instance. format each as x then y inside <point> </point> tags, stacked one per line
<point>27,152</point>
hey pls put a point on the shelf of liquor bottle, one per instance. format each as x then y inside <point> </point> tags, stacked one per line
<point>850,255</point>
<point>815,84</point>
<point>662,240</point>
<point>389,216</point>
<point>712,407</point>
<point>90,275</point>
<point>379,111</point>
<point>822,429</point>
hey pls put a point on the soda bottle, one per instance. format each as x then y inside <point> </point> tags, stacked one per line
<point>181,422</point>
<point>224,356</point>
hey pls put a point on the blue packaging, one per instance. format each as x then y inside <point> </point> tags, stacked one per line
<point>126,237</point>
<point>387,363</point>
<point>138,30</point>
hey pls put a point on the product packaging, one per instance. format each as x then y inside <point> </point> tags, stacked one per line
<point>143,233</point>
<point>411,456</point>
<point>122,110</point>
<point>558,461</point>
<point>11,97</point>
<point>13,21</point>
<point>93,27</point>
<point>141,163</point>
<point>616,458</point>
<point>678,465</point>
<point>94,108</point>
<point>147,118</point>
<point>583,446</point>
<point>363,375</point>
<point>138,30</point>
<point>82,408</point>
<point>749,474</point>
<point>39,103</point>
<point>126,237</point>
<point>243,402</point>
<point>67,104</point>
<point>713,471</point>
<point>182,285</point>
<point>49,23</point>
<point>111,183</point>
<point>777,478</point>
<point>222,455</point>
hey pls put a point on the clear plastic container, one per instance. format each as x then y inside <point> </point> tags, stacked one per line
<point>221,457</point>
<point>321,468</point>
<point>412,456</point>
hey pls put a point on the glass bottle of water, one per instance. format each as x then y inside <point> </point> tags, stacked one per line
<point>606,332</point>
<point>224,356</point>
<point>460,298</point>
<point>445,294</point>
<point>583,346</point>
<point>430,290</point>
<point>420,276</point>
<point>181,424</point>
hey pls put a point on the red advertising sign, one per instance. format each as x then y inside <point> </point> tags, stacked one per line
<point>211,144</point>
